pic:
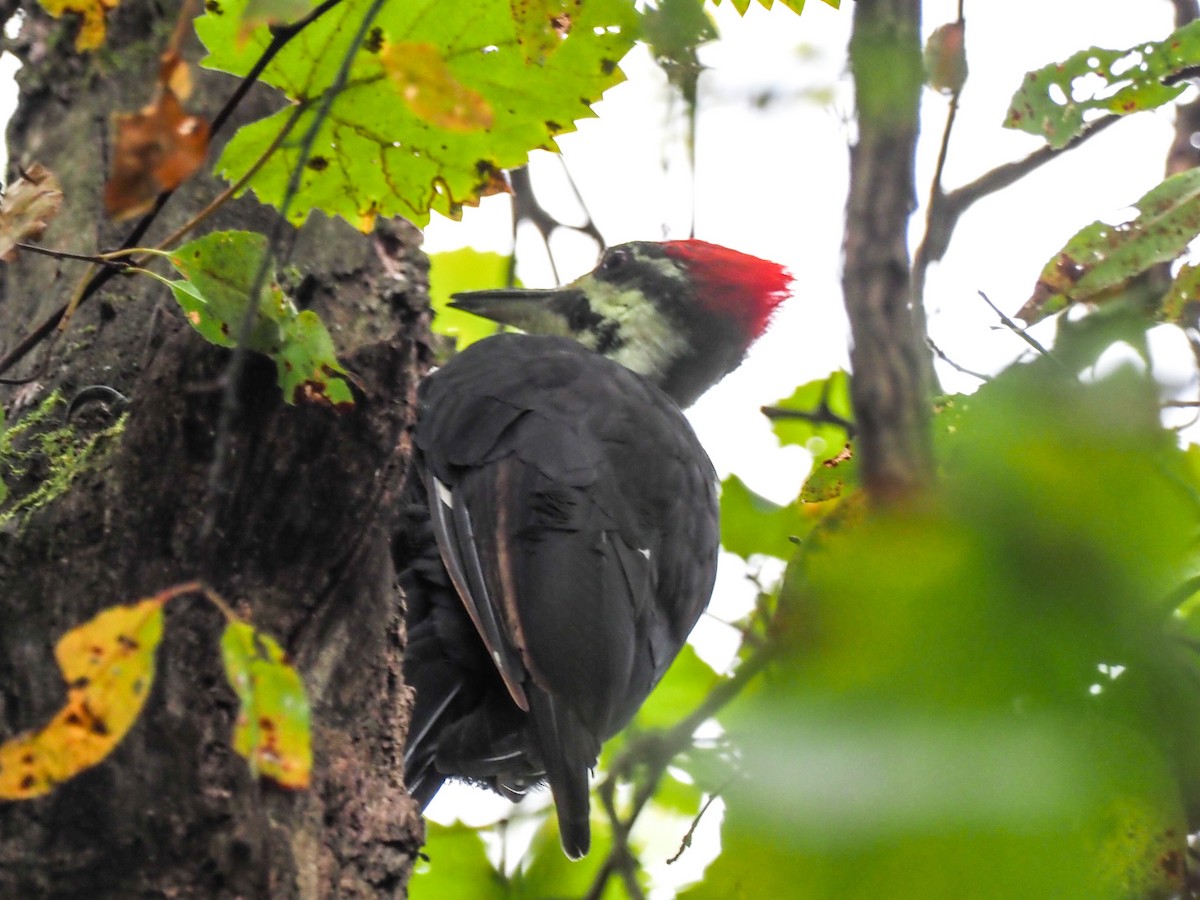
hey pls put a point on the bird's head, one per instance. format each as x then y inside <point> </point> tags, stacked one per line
<point>680,313</point>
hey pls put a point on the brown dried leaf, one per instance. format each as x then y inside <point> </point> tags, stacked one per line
<point>27,208</point>
<point>157,149</point>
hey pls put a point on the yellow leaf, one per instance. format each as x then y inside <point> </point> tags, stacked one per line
<point>93,12</point>
<point>272,730</point>
<point>108,665</point>
<point>423,79</point>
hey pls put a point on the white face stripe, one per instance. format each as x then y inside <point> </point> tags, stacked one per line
<point>649,341</point>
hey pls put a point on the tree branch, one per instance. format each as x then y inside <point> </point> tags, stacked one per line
<point>891,366</point>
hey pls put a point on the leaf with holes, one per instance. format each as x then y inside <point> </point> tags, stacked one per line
<point>1056,101</point>
<point>1101,259</point>
<point>272,730</point>
<point>221,269</point>
<point>377,153</point>
<point>108,666</point>
<point>1181,305</point>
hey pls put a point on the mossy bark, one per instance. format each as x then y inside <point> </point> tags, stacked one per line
<point>304,512</point>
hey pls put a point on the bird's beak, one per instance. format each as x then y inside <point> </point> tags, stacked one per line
<point>533,311</point>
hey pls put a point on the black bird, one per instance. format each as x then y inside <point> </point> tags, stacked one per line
<point>562,536</point>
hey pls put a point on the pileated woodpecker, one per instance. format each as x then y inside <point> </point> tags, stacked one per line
<point>563,539</point>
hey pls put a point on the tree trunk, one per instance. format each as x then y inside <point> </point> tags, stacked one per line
<point>301,545</point>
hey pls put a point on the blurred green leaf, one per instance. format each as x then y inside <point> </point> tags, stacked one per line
<point>674,30</point>
<point>831,478</point>
<point>456,866</point>
<point>815,399</point>
<point>547,873</point>
<point>1054,101</point>
<point>750,523</point>
<point>1182,302</point>
<point>464,269</point>
<point>988,679</point>
<point>1102,259</point>
<point>684,687</point>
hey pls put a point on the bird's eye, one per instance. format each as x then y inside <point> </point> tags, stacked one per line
<point>614,260</point>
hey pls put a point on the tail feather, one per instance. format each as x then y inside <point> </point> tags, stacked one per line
<point>568,751</point>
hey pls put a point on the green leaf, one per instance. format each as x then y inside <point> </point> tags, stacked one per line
<point>989,678</point>
<point>796,6</point>
<point>1054,101</point>
<point>1182,301</point>
<point>829,395</point>
<point>1101,259</point>
<point>750,523</point>
<point>674,30</point>
<point>455,865</point>
<point>272,730</point>
<point>831,478</point>
<point>548,873</point>
<point>394,142</point>
<point>684,687</point>
<point>464,270</point>
<point>220,269</point>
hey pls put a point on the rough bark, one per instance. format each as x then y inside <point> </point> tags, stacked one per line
<point>890,387</point>
<point>301,543</point>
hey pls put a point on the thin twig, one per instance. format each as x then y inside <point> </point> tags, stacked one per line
<point>280,36</point>
<point>1014,327</point>
<point>686,843</point>
<point>941,354</point>
<point>63,254</point>
<point>654,751</point>
<point>937,196</point>
<point>958,201</point>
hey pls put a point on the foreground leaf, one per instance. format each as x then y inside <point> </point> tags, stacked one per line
<point>1054,102</point>
<point>431,148</point>
<point>987,678</point>
<point>750,523</point>
<point>272,730</point>
<point>108,665</point>
<point>1101,259</point>
<point>221,269</point>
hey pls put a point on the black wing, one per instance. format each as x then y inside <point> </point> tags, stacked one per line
<point>575,514</point>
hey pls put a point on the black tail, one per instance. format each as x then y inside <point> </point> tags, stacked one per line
<point>568,751</point>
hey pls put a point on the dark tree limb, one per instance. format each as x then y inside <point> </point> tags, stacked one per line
<point>891,366</point>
